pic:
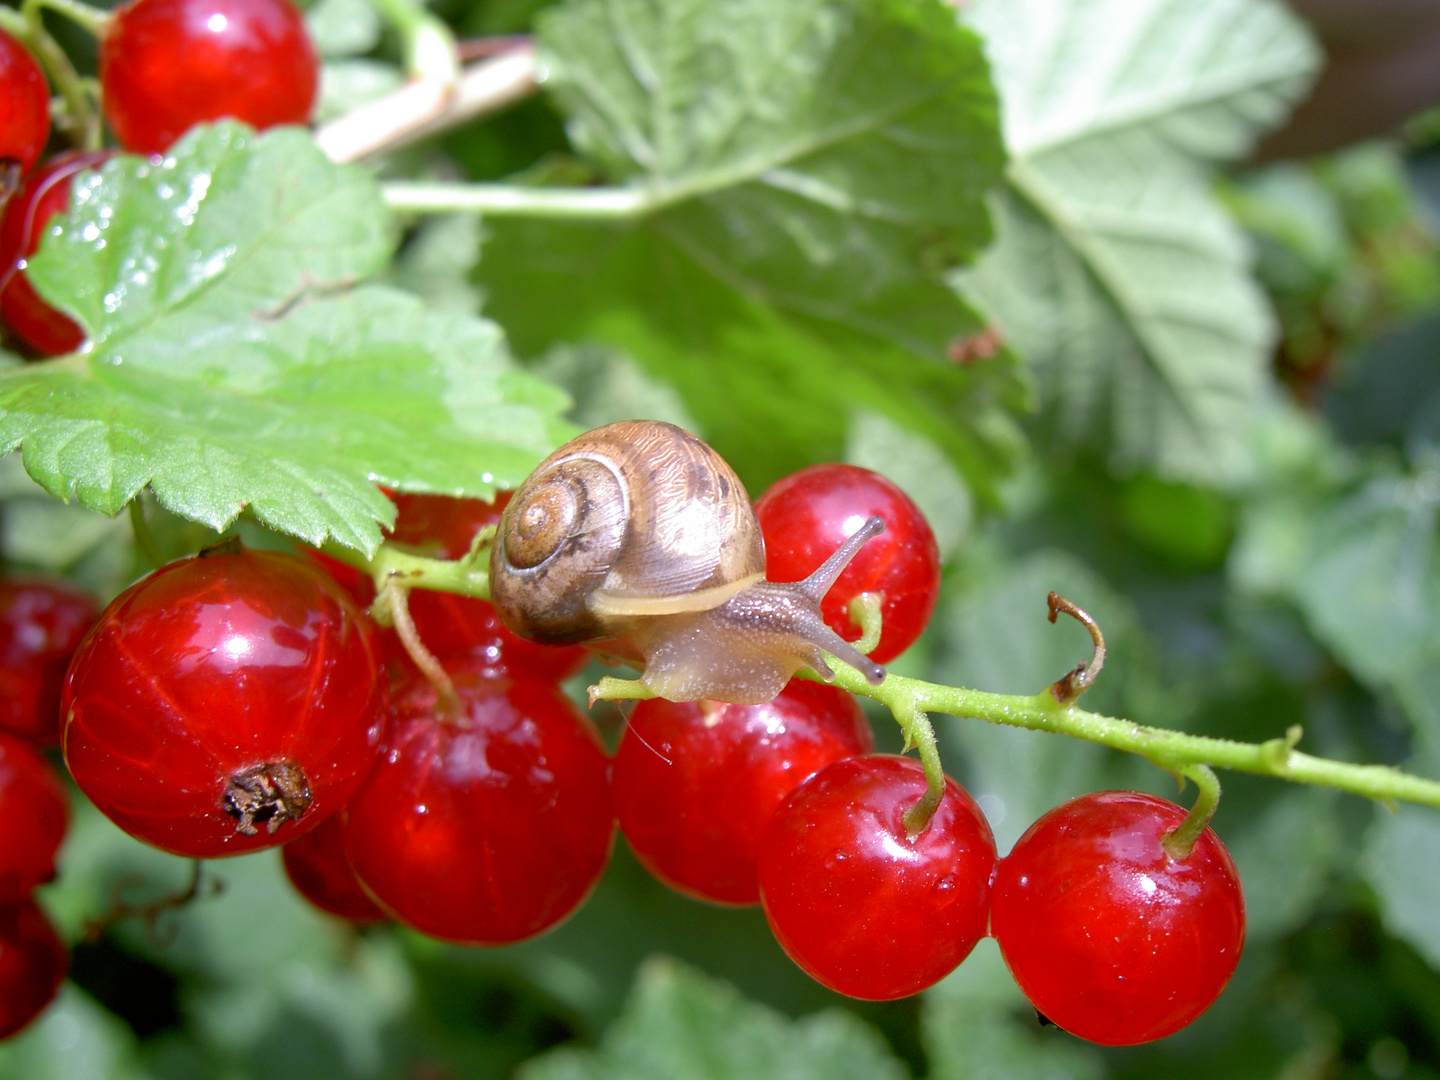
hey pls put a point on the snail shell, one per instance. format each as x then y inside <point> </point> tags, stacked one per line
<point>640,540</point>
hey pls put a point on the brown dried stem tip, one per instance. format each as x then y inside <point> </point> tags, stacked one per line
<point>273,793</point>
<point>1076,682</point>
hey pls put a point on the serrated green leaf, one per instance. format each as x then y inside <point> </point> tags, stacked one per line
<point>158,261</point>
<point>678,1023</point>
<point>1116,272</point>
<point>810,167</point>
<point>227,373</point>
<point>813,150</point>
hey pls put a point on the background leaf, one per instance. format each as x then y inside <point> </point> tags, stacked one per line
<point>678,1023</point>
<point>1116,272</point>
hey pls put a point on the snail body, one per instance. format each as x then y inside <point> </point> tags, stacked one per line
<point>638,540</point>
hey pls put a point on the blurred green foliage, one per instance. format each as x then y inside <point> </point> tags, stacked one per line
<point>1233,462</point>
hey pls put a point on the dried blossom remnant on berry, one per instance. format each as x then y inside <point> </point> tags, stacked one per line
<point>272,793</point>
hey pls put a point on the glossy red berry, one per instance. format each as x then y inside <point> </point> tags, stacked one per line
<point>45,194</point>
<point>1110,937</point>
<point>35,811</point>
<point>806,516</point>
<point>457,626</point>
<point>319,869</point>
<point>489,826</point>
<point>225,703</point>
<point>166,65</point>
<point>33,960</point>
<point>859,904</point>
<point>24,108</point>
<point>696,783</point>
<point>41,623</point>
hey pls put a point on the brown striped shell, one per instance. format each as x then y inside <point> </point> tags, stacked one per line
<point>639,538</point>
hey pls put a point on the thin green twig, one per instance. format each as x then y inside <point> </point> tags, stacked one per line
<point>1182,838</point>
<point>82,117</point>
<point>427,42</point>
<point>912,701</point>
<point>144,538</point>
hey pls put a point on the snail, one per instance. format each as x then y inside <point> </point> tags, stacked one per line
<point>638,540</point>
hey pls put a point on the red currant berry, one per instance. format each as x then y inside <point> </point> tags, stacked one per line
<point>35,810</point>
<point>1109,936</point>
<point>33,960</point>
<point>24,107</point>
<point>45,194</point>
<point>697,783</point>
<point>166,65</point>
<point>489,826</point>
<point>41,623</point>
<point>859,904</point>
<point>451,625</point>
<point>319,869</point>
<point>806,516</point>
<point>225,703</point>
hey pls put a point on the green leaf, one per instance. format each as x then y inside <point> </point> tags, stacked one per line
<point>1116,272</point>
<point>1402,863</point>
<point>919,467</point>
<point>73,1038</point>
<point>231,367</point>
<point>155,259</point>
<point>973,1029</point>
<point>678,1023</point>
<point>809,169</point>
<point>607,386</point>
<point>343,27</point>
<point>1285,849</point>
<point>1369,582</point>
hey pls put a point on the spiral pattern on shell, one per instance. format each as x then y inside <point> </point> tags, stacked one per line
<point>557,539</point>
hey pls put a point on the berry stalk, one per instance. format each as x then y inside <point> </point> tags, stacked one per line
<point>1172,751</point>
<point>427,42</point>
<point>81,118</point>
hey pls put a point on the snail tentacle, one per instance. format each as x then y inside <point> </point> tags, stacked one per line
<point>818,583</point>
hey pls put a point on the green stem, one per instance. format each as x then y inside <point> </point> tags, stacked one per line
<point>1173,751</point>
<point>83,117</point>
<point>394,603</point>
<point>428,44</point>
<point>912,700</point>
<point>1179,842</point>
<point>920,734</point>
<point>144,538</point>
<point>865,611</point>
<point>92,19</point>
<point>468,575</point>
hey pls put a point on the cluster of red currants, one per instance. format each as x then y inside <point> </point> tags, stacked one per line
<point>242,699</point>
<point>41,623</point>
<point>165,65</point>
